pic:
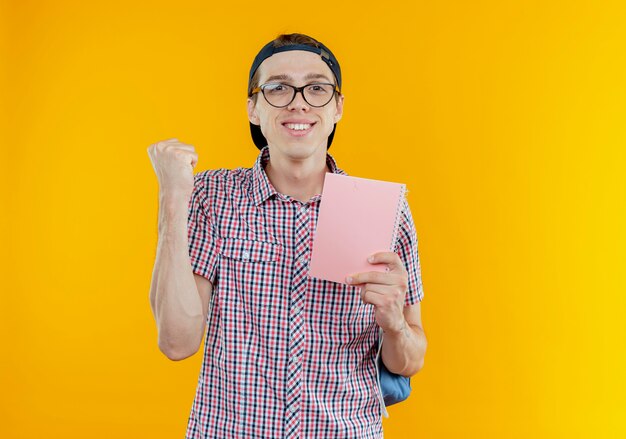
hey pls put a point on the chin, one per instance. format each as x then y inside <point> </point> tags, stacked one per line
<point>299,147</point>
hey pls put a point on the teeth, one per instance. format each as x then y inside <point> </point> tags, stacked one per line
<point>298,126</point>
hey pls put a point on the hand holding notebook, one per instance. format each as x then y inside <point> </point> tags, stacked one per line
<point>357,217</point>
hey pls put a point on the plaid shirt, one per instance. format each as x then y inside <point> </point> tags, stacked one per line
<point>286,355</point>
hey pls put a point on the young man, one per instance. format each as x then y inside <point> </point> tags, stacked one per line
<point>286,355</point>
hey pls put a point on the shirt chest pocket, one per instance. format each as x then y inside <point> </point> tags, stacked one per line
<point>248,265</point>
<point>247,250</point>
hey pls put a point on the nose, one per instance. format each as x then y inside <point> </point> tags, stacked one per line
<point>298,101</point>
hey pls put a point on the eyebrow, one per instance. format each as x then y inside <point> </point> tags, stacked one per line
<point>289,78</point>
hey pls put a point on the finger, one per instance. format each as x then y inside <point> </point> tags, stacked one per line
<point>184,147</point>
<point>375,295</point>
<point>164,146</point>
<point>392,259</point>
<point>186,154</point>
<point>373,288</point>
<point>383,297</point>
<point>375,277</point>
<point>174,142</point>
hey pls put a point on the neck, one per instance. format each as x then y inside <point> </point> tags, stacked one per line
<point>300,178</point>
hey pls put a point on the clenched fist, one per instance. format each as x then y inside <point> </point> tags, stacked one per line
<point>173,162</point>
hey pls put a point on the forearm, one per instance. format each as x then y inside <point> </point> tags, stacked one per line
<point>174,297</point>
<point>403,351</point>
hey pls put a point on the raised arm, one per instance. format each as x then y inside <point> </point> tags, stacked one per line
<point>178,297</point>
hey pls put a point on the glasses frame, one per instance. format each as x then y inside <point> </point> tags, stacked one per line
<point>296,90</point>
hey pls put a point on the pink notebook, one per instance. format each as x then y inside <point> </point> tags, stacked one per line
<point>357,217</point>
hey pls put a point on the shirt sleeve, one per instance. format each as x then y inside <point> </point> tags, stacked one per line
<point>203,241</point>
<point>406,248</point>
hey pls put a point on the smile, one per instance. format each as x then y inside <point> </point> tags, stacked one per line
<point>299,129</point>
<point>298,126</point>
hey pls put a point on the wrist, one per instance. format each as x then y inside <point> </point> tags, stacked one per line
<point>398,330</point>
<point>173,215</point>
<point>173,197</point>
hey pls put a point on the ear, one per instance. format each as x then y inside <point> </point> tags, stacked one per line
<point>253,116</point>
<point>339,112</point>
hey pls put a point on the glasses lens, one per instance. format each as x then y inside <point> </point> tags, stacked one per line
<point>278,94</point>
<point>318,95</point>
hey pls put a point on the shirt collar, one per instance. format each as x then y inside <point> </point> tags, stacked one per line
<point>262,188</point>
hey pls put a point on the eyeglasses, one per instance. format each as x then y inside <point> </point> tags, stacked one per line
<point>280,95</point>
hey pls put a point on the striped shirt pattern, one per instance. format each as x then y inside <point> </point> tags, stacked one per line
<point>286,355</point>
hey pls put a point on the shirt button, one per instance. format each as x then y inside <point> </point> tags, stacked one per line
<point>245,255</point>
<point>301,260</point>
<point>303,209</point>
<point>292,408</point>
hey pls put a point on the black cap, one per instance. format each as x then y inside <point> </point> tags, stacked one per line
<point>269,50</point>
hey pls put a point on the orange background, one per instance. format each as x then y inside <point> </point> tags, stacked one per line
<point>505,119</point>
